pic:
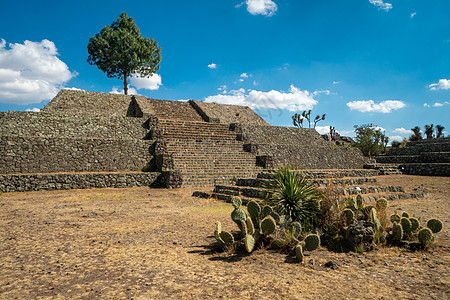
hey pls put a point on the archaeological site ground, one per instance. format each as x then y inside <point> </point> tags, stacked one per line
<point>114,196</point>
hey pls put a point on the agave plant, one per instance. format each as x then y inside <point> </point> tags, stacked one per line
<point>291,195</point>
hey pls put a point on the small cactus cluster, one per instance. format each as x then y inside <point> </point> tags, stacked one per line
<point>263,225</point>
<point>408,228</point>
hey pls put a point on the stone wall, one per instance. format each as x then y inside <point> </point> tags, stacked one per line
<point>228,114</point>
<point>47,154</point>
<point>48,182</point>
<point>175,110</point>
<point>301,148</point>
<point>90,103</point>
<point>71,126</point>
<point>425,169</point>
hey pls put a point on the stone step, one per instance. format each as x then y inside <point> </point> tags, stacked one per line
<point>256,182</point>
<point>344,191</point>
<point>328,173</point>
<point>366,197</point>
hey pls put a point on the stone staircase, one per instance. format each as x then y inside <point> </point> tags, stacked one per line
<point>425,157</point>
<point>344,183</point>
<point>204,151</point>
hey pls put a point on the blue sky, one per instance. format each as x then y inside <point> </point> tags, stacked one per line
<point>385,62</point>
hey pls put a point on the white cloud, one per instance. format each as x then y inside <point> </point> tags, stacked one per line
<point>370,106</point>
<point>131,91</point>
<point>323,129</point>
<point>336,82</point>
<point>261,7</point>
<point>244,75</point>
<point>31,72</point>
<point>72,89</point>
<point>426,105</point>
<point>443,84</point>
<point>293,100</point>
<point>212,66</point>
<point>149,83</point>
<point>381,4</point>
<point>396,138</point>
<point>413,15</point>
<point>326,92</point>
<point>439,104</point>
<point>401,130</point>
<point>34,109</point>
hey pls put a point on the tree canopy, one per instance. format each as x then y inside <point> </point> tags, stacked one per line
<point>120,51</point>
<point>370,140</point>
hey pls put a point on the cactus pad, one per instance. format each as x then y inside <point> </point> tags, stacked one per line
<point>397,232</point>
<point>268,225</point>
<point>382,204</point>
<point>267,210</point>
<point>299,252</point>
<point>359,201</point>
<point>406,225</point>
<point>249,242</point>
<point>425,236</point>
<point>236,202</point>
<point>435,225</point>
<point>296,228</point>
<point>312,242</point>
<point>227,238</point>
<point>254,210</point>
<point>405,215</point>
<point>395,218</point>
<point>238,215</point>
<point>348,216</point>
<point>415,224</point>
<point>250,226</point>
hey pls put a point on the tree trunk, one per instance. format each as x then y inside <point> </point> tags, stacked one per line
<point>125,84</point>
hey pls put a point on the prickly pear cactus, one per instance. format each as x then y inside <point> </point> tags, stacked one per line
<point>276,217</point>
<point>397,232</point>
<point>267,210</point>
<point>406,225</point>
<point>227,238</point>
<point>415,224</point>
<point>217,234</point>
<point>312,242</point>
<point>348,216</point>
<point>249,242</point>
<point>381,204</point>
<point>299,252</point>
<point>238,215</point>
<point>435,225</point>
<point>395,218</point>
<point>243,227</point>
<point>254,210</point>
<point>405,215</point>
<point>425,236</point>
<point>250,226</point>
<point>296,228</point>
<point>236,202</point>
<point>268,225</point>
<point>359,201</point>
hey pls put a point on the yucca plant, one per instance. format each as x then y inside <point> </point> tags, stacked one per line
<point>290,194</point>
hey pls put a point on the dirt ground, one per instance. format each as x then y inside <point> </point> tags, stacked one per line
<point>141,243</point>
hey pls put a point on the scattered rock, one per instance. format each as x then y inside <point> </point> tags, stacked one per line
<point>332,265</point>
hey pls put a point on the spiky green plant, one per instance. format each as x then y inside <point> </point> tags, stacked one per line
<point>435,225</point>
<point>268,225</point>
<point>415,224</point>
<point>425,236</point>
<point>249,242</point>
<point>227,238</point>
<point>250,226</point>
<point>293,196</point>
<point>406,225</point>
<point>405,215</point>
<point>254,210</point>
<point>296,228</point>
<point>267,210</point>
<point>381,204</point>
<point>299,252</point>
<point>238,215</point>
<point>397,233</point>
<point>236,202</point>
<point>348,216</point>
<point>312,242</point>
<point>395,218</point>
<point>359,201</point>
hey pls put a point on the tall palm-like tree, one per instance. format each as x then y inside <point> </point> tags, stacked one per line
<point>439,129</point>
<point>417,133</point>
<point>429,130</point>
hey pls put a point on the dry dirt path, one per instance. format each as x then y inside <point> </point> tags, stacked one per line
<point>145,243</point>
